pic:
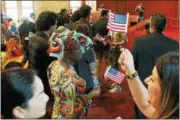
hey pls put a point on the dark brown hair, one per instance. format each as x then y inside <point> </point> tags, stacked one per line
<point>168,71</point>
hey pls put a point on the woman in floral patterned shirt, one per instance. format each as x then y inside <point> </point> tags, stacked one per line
<point>67,87</point>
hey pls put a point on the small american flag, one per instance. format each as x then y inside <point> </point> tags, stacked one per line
<point>118,22</point>
<point>114,75</point>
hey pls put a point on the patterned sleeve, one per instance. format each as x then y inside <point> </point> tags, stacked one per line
<point>63,86</point>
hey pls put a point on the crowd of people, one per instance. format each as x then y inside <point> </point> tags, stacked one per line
<point>64,54</point>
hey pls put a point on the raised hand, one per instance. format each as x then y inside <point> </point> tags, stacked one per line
<point>126,61</point>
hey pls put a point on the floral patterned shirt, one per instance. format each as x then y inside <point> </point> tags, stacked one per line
<point>68,90</point>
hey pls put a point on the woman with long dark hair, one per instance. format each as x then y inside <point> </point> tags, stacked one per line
<point>161,99</point>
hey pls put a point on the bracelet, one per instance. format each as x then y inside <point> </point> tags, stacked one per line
<point>132,75</point>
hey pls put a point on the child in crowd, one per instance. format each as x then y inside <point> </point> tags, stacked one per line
<point>13,32</point>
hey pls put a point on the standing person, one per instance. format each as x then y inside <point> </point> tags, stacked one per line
<point>85,12</point>
<point>101,49</point>
<point>118,39</point>
<point>74,17</point>
<point>39,59</point>
<point>147,49</point>
<point>63,18</point>
<point>140,11</point>
<point>85,67</point>
<point>24,31</point>
<point>67,87</point>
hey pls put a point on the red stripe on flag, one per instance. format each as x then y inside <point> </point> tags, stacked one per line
<point>115,26</point>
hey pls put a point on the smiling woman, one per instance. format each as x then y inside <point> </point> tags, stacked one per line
<point>22,94</point>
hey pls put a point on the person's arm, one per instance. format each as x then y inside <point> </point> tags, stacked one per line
<point>138,90</point>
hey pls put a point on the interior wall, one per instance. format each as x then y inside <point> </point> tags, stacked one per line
<point>2,6</point>
<point>55,6</point>
<point>170,8</point>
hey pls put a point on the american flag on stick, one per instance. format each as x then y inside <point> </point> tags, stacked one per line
<point>118,22</point>
<point>114,75</point>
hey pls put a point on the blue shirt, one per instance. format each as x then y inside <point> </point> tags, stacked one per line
<point>13,29</point>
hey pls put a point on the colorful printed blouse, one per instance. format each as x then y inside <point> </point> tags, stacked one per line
<point>68,90</point>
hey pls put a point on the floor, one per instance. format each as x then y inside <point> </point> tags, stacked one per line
<point>108,105</point>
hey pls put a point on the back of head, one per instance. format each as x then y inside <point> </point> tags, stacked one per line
<point>159,22</point>
<point>16,90</point>
<point>63,17</point>
<point>45,20</point>
<point>104,12</point>
<point>63,11</point>
<point>12,65</point>
<point>85,11</point>
<point>75,16</point>
<point>168,71</point>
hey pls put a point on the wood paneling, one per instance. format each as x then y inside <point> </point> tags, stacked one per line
<point>167,7</point>
<point>107,4</point>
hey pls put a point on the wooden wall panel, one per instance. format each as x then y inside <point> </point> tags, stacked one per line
<point>122,6</point>
<point>111,4</point>
<point>170,8</point>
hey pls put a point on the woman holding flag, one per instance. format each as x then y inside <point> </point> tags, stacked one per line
<point>161,99</point>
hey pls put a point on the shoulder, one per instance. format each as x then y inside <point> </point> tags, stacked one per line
<point>150,38</point>
<point>53,64</point>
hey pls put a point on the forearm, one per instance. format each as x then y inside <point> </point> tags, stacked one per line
<point>139,92</point>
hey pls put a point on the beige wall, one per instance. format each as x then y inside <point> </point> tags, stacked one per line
<point>55,6</point>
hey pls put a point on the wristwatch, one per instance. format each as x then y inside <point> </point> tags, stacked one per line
<point>132,75</point>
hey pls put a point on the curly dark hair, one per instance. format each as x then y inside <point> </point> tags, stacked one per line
<point>63,17</point>
<point>45,20</point>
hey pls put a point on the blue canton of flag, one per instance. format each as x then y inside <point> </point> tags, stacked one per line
<point>114,75</point>
<point>118,22</point>
<point>120,19</point>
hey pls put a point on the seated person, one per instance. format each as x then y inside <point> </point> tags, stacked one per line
<point>22,94</point>
<point>66,86</point>
<point>161,99</point>
<point>13,32</point>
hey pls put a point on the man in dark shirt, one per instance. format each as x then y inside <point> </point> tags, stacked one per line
<point>39,59</point>
<point>101,49</point>
<point>148,48</point>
